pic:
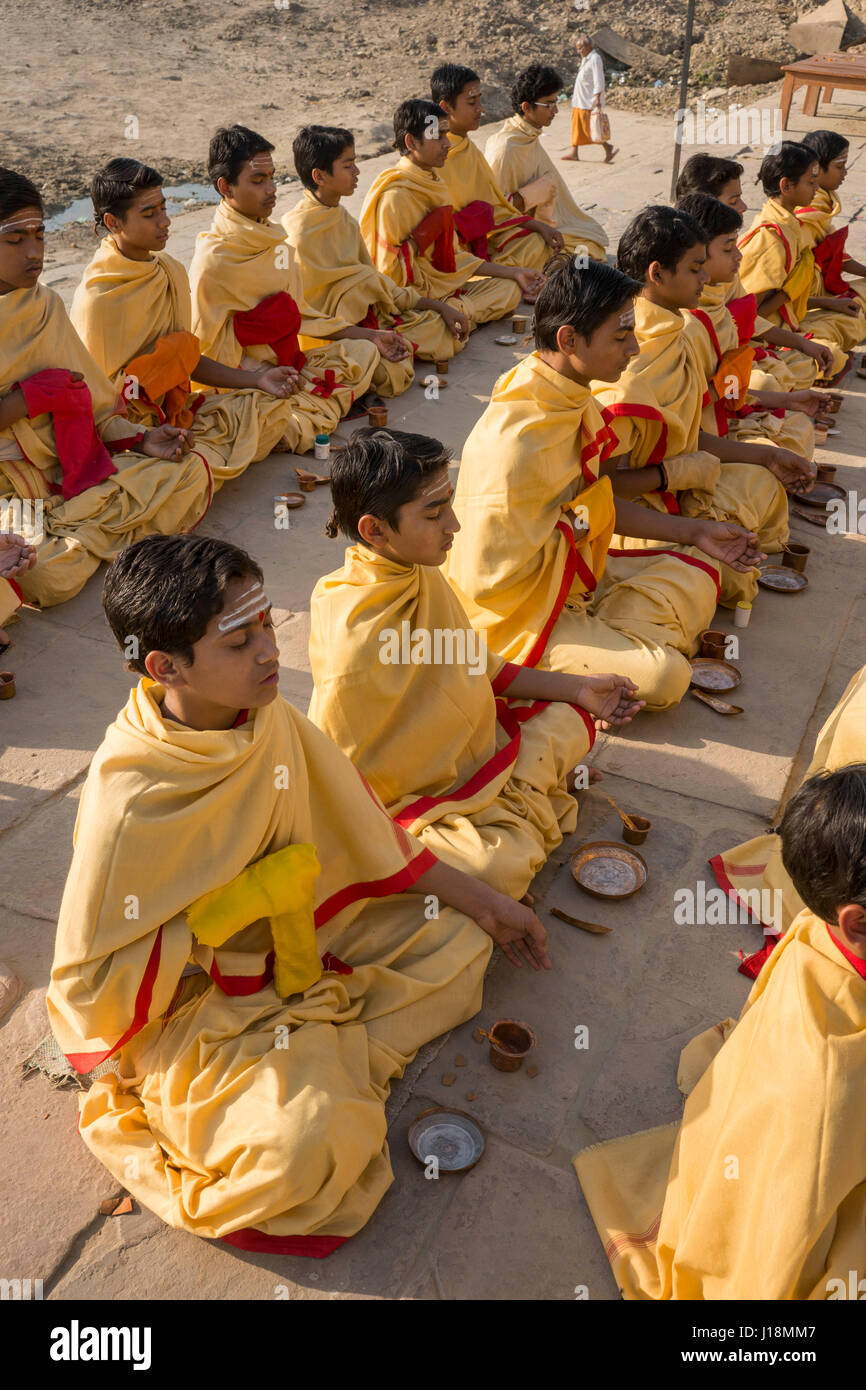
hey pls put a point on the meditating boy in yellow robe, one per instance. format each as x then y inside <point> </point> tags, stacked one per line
<point>778,265</point>
<point>743,405</point>
<point>479,770</point>
<point>528,176</point>
<point>248,299</point>
<point>100,481</point>
<point>487,223</point>
<point>133,312</point>
<point>241,931</point>
<point>658,403</point>
<point>752,873</point>
<point>798,360</point>
<point>408,224</point>
<point>530,563</point>
<point>340,279</point>
<point>760,1191</point>
<point>832,261</point>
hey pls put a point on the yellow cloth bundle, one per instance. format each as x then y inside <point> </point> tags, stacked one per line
<point>279,886</point>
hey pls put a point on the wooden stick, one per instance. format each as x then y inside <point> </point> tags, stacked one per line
<point>627,820</point>
<point>684,96</point>
<point>592,927</point>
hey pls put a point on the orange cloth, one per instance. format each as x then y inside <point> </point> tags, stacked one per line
<point>165,373</point>
<point>580,134</point>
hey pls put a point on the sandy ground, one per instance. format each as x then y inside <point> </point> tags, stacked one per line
<point>92,81</point>
<point>516,1226</point>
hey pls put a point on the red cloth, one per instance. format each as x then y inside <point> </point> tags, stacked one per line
<point>370,320</point>
<point>830,256</point>
<point>437,230</point>
<point>474,224</point>
<point>744,311</point>
<point>275,321</point>
<point>83,458</point>
<point>858,964</point>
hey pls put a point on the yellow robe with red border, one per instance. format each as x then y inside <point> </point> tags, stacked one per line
<point>774,368</point>
<point>657,408</point>
<point>470,179</point>
<point>122,310</point>
<point>144,496</point>
<point>397,202</point>
<point>777,255</point>
<point>236,264</point>
<point>232,1112</point>
<point>517,157</point>
<point>530,564</point>
<point>478,779</point>
<point>752,873</point>
<point>760,1191</point>
<point>817,223</point>
<point>341,281</point>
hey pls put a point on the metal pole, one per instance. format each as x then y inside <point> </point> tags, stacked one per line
<point>684,95</point>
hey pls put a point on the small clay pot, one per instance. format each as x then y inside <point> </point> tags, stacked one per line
<point>713,643</point>
<point>510,1042</point>
<point>519,323</point>
<point>833,405</point>
<point>794,557</point>
<point>442,367</point>
<point>826,472</point>
<point>639,834</point>
<point>7,685</point>
<point>378,417</point>
<point>290,500</point>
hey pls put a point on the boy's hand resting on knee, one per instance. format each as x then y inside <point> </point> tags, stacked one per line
<point>792,470</point>
<point>609,699</point>
<point>514,927</point>
<point>166,442</point>
<point>734,545</point>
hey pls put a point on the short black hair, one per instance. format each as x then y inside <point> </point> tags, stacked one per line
<point>536,81</point>
<point>316,147</point>
<point>823,833</point>
<point>716,218</point>
<point>659,233</point>
<point>580,298</point>
<point>163,591</point>
<point>17,192</point>
<point>826,145</point>
<point>448,81</point>
<point>411,118</point>
<point>229,149</point>
<point>115,186</point>
<point>377,473</point>
<point>707,173</point>
<point>787,160</point>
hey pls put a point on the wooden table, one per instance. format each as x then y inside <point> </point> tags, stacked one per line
<point>827,70</point>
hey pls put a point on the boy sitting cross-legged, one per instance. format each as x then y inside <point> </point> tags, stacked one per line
<point>236,933</point>
<point>469,752</point>
<point>339,276</point>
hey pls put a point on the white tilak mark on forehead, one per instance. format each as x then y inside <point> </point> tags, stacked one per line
<point>251,601</point>
<point>260,165</point>
<point>26,224</point>
<point>432,491</point>
<point>627,320</point>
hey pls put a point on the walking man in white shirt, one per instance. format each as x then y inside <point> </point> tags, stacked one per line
<point>588,96</point>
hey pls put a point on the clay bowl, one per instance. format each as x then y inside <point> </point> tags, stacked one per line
<point>510,1042</point>
<point>642,825</point>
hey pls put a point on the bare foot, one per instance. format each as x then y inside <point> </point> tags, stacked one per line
<point>595,775</point>
<point>5,639</point>
<point>609,158</point>
<point>573,157</point>
<point>528,899</point>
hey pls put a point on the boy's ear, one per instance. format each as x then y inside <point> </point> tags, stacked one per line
<point>163,669</point>
<point>654,272</point>
<point>566,339</point>
<point>316,175</point>
<point>852,928</point>
<point>370,530</point>
<point>223,187</point>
